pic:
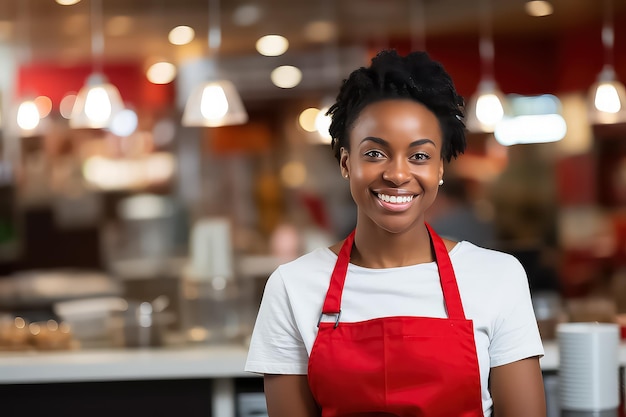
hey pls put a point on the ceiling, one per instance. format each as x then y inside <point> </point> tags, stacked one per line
<point>62,34</point>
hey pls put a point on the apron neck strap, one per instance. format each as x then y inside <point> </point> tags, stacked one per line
<point>447,277</point>
<point>332,303</point>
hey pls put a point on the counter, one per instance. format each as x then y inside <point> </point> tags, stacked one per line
<point>221,364</point>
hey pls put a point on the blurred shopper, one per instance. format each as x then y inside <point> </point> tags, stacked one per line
<point>394,320</point>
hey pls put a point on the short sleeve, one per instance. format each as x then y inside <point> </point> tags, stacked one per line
<point>276,346</point>
<point>515,334</point>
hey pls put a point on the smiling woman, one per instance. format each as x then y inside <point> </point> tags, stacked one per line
<point>394,320</point>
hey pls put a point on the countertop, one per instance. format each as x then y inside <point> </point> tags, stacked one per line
<point>226,361</point>
<point>220,361</point>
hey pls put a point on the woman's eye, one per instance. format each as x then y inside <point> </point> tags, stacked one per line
<point>374,154</point>
<point>421,156</point>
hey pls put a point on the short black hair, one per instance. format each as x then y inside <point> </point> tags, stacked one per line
<point>390,76</point>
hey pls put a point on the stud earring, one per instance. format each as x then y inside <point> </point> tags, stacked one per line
<point>345,176</point>
<point>440,182</point>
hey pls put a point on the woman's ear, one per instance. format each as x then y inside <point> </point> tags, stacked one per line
<point>344,156</point>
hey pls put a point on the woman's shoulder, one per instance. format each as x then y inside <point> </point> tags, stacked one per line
<point>496,270</point>
<point>470,252</point>
<point>319,255</point>
<point>308,265</point>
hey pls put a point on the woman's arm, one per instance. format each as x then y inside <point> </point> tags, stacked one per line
<point>517,389</point>
<point>289,396</point>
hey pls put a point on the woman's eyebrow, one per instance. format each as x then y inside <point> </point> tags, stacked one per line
<point>383,142</point>
<point>374,139</point>
<point>420,142</point>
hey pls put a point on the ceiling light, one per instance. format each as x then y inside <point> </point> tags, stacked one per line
<point>66,105</point>
<point>98,101</point>
<point>487,106</point>
<point>542,128</point>
<point>215,102</point>
<point>124,123</point>
<point>28,116</point>
<point>96,104</point>
<point>272,45</point>
<point>307,119</point>
<point>286,76</point>
<point>538,8</point>
<point>44,105</point>
<point>533,119</point>
<point>322,124</point>
<point>181,35</point>
<point>67,2</point>
<point>607,96</point>
<point>161,73</point>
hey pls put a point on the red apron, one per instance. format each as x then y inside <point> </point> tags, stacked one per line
<point>396,366</point>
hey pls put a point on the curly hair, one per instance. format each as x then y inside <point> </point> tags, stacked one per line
<point>390,76</point>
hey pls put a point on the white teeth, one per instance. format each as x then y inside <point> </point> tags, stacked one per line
<point>395,199</point>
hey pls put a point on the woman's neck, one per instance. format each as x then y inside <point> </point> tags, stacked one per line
<point>378,248</point>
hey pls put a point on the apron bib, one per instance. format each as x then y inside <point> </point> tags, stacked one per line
<point>396,366</point>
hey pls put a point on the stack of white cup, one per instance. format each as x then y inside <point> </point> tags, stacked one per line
<point>588,366</point>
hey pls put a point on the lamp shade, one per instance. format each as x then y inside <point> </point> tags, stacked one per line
<point>607,99</point>
<point>213,104</point>
<point>486,107</point>
<point>96,104</point>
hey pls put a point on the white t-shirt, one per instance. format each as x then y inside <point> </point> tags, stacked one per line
<point>494,292</point>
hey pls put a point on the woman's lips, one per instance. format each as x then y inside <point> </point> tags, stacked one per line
<point>395,202</point>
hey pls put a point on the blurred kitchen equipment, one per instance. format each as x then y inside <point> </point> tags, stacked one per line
<point>143,323</point>
<point>147,229</point>
<point>212,300</point>
<point>40,288</point>
<point>211,249</point>
<point>589,367</point>
<point>90,319</point>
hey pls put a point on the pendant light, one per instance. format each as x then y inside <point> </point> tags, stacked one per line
<point>215,102</point>
<point>27,116</point>
<point>331,71</point>
<point>487,106</point>
<point>98,101</point>
<point>607,96</point>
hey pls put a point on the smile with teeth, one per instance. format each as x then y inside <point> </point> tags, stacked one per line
<point>400,199</point>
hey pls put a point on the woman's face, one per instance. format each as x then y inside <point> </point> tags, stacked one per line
<point>394,164</point>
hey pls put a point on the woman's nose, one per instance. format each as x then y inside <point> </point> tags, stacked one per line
<point>397,172</point>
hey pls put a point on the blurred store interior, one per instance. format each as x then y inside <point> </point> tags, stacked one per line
<point>181,217</point>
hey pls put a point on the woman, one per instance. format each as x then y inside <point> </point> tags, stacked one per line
<point>395,321</point>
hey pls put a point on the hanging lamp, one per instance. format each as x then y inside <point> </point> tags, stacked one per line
<point>27,115</point>
<point>607,96</point>
<point>98,101</point>
<point>215,102</point>
<point>331,71</point>
<point>487,106</point>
